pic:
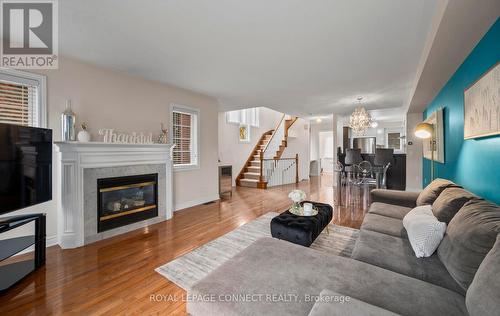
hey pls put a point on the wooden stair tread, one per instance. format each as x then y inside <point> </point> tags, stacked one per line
<point>250,173</point>
<point>249,180</point>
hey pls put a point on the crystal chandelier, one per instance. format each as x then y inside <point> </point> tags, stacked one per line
<point>360,119</point>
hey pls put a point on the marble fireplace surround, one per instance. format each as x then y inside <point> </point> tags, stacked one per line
<point>81,164</point>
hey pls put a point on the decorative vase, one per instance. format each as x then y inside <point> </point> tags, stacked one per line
<point>68,123</point>
<point>84,135</point>
<point>296,206</point>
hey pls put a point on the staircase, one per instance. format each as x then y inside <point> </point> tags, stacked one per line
<point>251,173</point>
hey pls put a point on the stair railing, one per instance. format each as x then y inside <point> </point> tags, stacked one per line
<point>276,139</point>
<point>279,171</point>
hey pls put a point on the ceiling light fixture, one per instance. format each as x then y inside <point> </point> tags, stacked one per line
<point>360,119</point>
<point>318,120</point>
<point>374,124</point>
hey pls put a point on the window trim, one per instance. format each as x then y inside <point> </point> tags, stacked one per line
<point>193,111</point>
<point>394,131</point>
<point>42,93</point>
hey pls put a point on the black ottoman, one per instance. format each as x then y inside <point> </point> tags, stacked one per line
<point>301,230</point>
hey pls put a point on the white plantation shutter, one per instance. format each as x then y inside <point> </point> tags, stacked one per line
<point>20,101</point>
<point>185,136</point>
<point>182,138</point>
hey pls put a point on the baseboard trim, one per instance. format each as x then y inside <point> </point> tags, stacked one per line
<point>183,205</point>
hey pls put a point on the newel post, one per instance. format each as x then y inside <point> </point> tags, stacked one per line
<point>261,154</point>
<point>296,168</point>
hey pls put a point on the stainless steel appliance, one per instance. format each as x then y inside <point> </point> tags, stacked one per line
<point>366,144</point>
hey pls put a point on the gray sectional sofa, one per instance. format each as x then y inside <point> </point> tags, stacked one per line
<point>383,275</point>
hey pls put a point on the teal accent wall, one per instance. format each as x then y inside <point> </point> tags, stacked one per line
<point>472,163</point>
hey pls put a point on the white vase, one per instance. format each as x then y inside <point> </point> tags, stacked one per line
<point>83,136</point>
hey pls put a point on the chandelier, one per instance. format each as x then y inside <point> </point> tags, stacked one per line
<point>360,119</point>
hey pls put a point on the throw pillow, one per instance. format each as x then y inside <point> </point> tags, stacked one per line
<point>432,191</point>
<point>449,202</point>
<point>424,230</point>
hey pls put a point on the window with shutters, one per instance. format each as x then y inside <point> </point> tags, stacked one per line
<point>22,98</point>
<point>184,133</point>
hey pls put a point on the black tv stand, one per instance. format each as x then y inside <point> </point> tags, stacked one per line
<point>11,273</point>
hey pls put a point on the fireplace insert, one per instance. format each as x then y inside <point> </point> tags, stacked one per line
<point>125,200</point>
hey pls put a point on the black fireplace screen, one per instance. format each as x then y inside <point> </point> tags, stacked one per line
<point>125,200</point>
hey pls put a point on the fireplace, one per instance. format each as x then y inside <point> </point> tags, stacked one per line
<point>125,200</point>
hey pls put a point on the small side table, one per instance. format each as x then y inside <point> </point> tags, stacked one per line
<point>12,273</point>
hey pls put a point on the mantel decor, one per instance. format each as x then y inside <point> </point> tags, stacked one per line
<point>110,136</point>
<point>482,105</point>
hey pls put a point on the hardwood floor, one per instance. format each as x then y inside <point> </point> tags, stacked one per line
<point>116,276</point>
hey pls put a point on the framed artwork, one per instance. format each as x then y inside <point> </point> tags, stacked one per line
<point>244,133</point>
<point>436,119</point>
<point>482,105</point>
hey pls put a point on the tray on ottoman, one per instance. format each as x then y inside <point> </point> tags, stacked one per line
<point>302,230</point>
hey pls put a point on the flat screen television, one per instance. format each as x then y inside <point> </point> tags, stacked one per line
<point>25,166</point>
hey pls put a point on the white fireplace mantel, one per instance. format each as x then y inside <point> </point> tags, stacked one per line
<point>74,157</point>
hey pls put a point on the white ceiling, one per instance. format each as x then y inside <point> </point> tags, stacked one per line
<point>295,56</point>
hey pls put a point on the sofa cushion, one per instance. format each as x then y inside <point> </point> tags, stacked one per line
<point>483,295</point>
<point>273,266</point>
<point>395,197</point>
<point>389,210</point>
<point>469,237</point>
<point>396,254</point>
<point>432,191</point>
<point>385,225</point>
<point>449,202</point>
<point>330,303</point>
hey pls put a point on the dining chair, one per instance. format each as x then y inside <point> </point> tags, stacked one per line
<point>384,158</point>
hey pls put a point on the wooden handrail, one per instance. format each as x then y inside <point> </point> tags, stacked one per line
<point>288,127</point>
<point>274,158</point>
<point>274,132</point>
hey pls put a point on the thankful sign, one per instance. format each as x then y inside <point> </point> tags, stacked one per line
<point>110,136</point>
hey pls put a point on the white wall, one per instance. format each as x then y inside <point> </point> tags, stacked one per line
<point>326,144</point>
<point>315,147</point>
<point>231,150</point>
<point>413,154</point>
<point>316,128</point>
<point>108,99</point>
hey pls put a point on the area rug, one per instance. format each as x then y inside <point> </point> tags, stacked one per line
<point>188,269</point>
